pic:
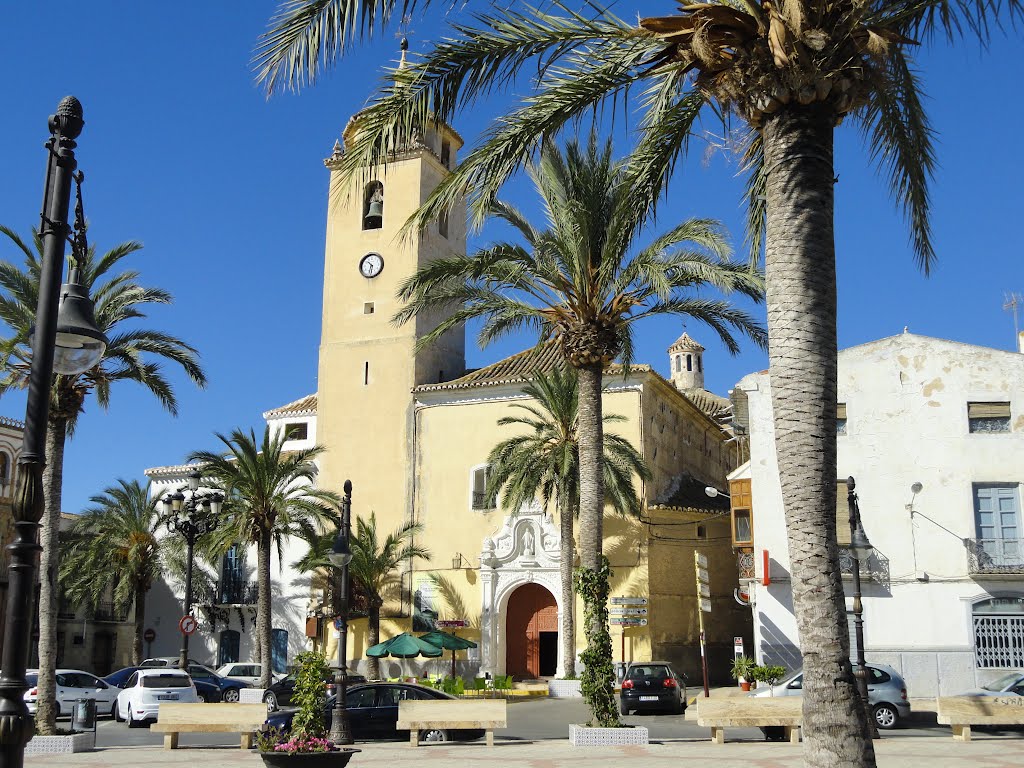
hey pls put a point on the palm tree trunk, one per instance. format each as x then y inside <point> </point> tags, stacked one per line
<point>591,441</point>
<point>372,638</point>
<point>801,278</point>
<point>46,714</point>
<point>140,623</point>
<point>566,556</point>
<point>263,634</point>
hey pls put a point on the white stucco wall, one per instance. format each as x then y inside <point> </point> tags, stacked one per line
<point>906,398</point>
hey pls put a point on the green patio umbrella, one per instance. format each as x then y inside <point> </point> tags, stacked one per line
<point>404,646</point>
<point>449,642</point>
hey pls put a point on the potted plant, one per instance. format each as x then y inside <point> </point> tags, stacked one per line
<point>306,745</point>
<point>769,675</point>
<point>742,671</point>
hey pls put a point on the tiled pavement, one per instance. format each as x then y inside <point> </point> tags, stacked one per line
<point>901,752</point>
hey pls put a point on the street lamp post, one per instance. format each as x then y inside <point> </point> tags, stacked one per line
<point>57,347</point>
<point>340,557</point>
<point>861,549</point>
<point>192,516</point>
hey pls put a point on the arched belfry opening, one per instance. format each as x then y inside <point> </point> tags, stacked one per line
<point>373,205</point>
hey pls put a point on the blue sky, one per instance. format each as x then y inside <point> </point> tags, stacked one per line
<point>227,191</point>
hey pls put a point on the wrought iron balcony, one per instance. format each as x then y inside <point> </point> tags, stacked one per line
<point>237,592</point>
<point>994,556</point>
<point>107,611</point>
<point>875,568</point>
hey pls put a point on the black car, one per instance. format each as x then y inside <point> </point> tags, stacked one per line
<point>207,691</point>
<point>373,713</point>
<point>279,694</point>
<point>651,686</point>
<point>227,687</point>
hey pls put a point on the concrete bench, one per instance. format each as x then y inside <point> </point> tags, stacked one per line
<point>173,719</point>
<point>417,715</point>
<point>743,712</point>
<point>961,712</point>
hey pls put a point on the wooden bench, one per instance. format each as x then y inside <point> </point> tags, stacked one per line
<point>961,712</point>
<point>487,714</point>
<point>744,712</point>
<point>173,719</point>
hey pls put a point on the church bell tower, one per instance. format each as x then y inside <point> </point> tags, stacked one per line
<point>368,366</point>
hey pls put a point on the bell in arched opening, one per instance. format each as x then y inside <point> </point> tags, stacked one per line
<point>373,208</point>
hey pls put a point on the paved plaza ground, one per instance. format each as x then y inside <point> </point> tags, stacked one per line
<point>901,752</point>
<point>537,738</point>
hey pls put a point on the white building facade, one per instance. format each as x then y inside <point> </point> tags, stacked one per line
<point>225,601</point>
<point>933,433</point>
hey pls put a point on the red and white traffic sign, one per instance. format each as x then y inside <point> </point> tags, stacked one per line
<point>188,624</point>
<point>149,635</point>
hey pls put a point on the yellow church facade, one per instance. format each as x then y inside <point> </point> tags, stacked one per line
<point>412,430</point>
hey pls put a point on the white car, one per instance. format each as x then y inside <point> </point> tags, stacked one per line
<point>73,684</point>
<point>147,689</point>
<point>250,672</point>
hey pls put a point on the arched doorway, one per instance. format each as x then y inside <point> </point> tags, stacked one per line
<point>531,633</point>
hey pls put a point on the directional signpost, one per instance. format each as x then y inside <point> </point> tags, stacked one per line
<point>627,611</point>
<point>700,564</point>
<point>451,623</point>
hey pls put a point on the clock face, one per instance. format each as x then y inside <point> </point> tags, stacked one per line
<point>371,265</point>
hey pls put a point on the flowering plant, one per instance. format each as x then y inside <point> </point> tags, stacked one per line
<point>303,743</point>
<point>308,732</point>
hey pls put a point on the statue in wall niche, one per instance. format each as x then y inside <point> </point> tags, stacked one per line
<point>528,543</point>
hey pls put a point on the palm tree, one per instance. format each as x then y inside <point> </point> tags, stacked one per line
<point>133,354</point>
<point>791,71</point>
<point>270,495</point>
<point>545,462</point>
<point>578,285</point>
<point>114,549</point>
<point>373,566</point>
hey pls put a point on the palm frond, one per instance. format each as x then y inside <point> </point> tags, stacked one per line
<point>900,138</point>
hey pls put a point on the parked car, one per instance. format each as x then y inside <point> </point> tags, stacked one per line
<point>164,661</point>
<point>373,713</point>
<point>228,686</point>
<point>73,684</point>
<point>650,686</point>
<point>207,692</point>
<point>146,689</point>
<point>1010,684</point>
<point>280,693</point>
<point>250,672</point>
<point>887,693</point>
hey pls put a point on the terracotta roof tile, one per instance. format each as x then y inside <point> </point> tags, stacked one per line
<point>302,405</point>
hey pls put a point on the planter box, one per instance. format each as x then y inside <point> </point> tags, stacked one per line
<point>582,736</point>
<point>251,695</point>
<point>61,745</point>
<point>564,689</point>
<point>308,759</point>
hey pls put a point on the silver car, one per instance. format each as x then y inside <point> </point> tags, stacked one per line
<point>887,693</point>
<point>1010,684</point>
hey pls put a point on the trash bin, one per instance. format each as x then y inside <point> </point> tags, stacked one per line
<point>83,715</point>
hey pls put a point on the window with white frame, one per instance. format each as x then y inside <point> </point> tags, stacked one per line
<point>480,498</point>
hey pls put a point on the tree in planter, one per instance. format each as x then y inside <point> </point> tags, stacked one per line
<point>309,730</point>
<point>742,671</point>
<point>374,566</point>
<point>768,674</point>
<point>269,495</point>
<point>133,354</point>
<point>545,462</point>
